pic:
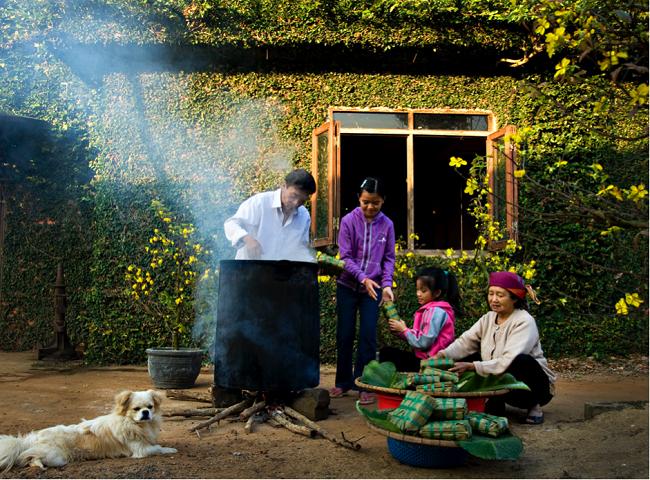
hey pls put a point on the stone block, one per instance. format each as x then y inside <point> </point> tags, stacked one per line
<point>595,408</point>
<point>313,403</point>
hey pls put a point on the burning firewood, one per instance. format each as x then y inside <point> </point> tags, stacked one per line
<point>344,442</point>
<point>283,420</point>
<point>184,395</point>
<point>236,408</point>
<point>248,428</point>
<point>252,410</point>
<point>194,412</point>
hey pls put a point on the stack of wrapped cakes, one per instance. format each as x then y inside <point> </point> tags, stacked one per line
<point>440,418</point>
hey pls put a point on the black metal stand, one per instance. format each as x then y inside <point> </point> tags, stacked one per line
<point>62,348</point>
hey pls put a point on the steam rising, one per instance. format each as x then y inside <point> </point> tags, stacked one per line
<point>140,111</point>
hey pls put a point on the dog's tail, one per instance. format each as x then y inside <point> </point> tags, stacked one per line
<point>10,450</point>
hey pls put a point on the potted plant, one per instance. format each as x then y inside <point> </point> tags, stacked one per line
<point>164,288</point>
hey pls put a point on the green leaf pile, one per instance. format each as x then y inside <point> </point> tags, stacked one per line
<point>379,374</point>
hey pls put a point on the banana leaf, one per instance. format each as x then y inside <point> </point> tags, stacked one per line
<point>378,418</point>
<point>379,374</point>
<point>505,447</point>
<point>473,382</point>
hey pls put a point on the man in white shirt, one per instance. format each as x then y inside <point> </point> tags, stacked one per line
<point>274,225</point>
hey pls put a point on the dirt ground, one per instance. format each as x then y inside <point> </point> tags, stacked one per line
<point>613,444</point>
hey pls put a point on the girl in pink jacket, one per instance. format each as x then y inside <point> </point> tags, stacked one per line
<point>433,322</point>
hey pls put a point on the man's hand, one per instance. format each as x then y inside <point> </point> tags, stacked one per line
<point>253,247</point>
<point>460,367</point>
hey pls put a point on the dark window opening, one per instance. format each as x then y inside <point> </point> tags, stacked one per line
<point>441,217</point>
<point>380,156</point>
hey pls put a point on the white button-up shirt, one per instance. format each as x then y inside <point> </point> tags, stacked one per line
<point>261,217</point>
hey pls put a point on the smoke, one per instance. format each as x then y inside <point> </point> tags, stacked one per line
<point>149,115</point>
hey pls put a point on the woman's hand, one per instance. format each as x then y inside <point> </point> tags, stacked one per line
<point>396,326</point>
<point>387,295</point>
<point>371,287</point>
<point>460,367</point>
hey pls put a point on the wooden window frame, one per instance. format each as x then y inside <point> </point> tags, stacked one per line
<point>335,130</point>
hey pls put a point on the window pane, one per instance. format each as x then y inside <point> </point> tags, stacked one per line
<point>322,189</point>
<point>451,121</point>
<point>371,120</point>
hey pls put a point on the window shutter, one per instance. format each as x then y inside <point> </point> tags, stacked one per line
<point>501,165</point>
<point>324,167</point>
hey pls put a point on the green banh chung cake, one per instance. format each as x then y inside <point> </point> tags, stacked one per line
<point>329,264</point>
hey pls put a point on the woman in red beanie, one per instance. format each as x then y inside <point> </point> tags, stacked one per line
<point>506,339</point>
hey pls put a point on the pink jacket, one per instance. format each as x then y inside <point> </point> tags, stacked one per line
<point>433,329</point>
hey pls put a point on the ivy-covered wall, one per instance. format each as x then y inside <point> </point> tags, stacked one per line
<point>203,138</point>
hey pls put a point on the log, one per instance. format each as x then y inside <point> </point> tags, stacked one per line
<point>236,408</point>
<point>283,420</point>
<point>248,428</point>
<point>184,395</point>
<point>344,442</point>
<point>252,410</point>
<point>193,412</point>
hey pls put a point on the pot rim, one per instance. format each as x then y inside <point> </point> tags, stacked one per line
<point>169,351</point>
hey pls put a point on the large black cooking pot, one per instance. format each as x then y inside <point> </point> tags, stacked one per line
<point>268,326</point>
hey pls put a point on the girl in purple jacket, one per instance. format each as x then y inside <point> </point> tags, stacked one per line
<point>367,245</point>
<point>433,322</point>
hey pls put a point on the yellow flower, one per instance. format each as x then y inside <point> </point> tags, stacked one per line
<point>472,186</point>
<point>456,162</point>
<point>449,252</point>
<point>520,173</point>
<point>621,307</point>
<point>561,68</point>
<point>610,231</point>
<point>637,192</point>
<point>633,299</point>
<point>640,95</point>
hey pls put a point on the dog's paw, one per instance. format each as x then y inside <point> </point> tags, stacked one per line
<point>166,450</point>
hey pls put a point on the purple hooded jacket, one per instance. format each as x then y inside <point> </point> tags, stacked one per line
<point>368,249</point>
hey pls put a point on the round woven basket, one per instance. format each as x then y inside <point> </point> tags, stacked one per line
<point>422,452</point>
<point>400,391</point>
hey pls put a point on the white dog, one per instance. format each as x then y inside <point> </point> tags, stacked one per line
<point>130,430</point>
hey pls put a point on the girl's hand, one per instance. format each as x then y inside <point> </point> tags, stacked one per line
<point>387,295</point>
<point>371,287</point>
<point>460,367</point>
<point>397,326</point>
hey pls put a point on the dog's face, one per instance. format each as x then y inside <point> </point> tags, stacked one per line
<point>138,406</point>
